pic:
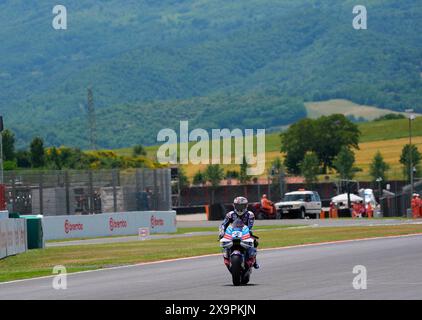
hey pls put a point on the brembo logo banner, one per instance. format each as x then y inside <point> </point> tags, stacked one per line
<point>117,224</point>
<point>156,222</point>
<point>69,227</point>
<point>108,224</point>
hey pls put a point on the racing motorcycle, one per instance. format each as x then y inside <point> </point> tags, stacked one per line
<point>238,241</point>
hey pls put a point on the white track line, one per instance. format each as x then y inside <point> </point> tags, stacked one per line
<point>218,254</point>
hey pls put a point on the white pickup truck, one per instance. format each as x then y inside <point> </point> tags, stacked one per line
<point>300,204</point>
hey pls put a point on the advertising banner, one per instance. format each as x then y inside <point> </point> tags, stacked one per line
<point>13,238</point>
<point>3,239</point>
<point>108,224</point>
<point>4,215</point>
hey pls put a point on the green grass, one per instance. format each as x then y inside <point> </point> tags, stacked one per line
<point>180,231</point>
<point>40,262</point>
<point>388,130</point>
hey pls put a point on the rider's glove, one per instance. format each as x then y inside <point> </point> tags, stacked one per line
<point>221,235</point>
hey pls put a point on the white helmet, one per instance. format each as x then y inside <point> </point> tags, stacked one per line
<point>240,205</point>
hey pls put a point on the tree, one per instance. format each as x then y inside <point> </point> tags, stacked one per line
<point>325,136</point>
<point>37,153</point>
<point>378,168</point>
<point>295,142</point>
<point>214,174</point>
<point>232,174</point>
<point>391,116</point>
<point>139,150</point>
<point>23,159</point>
<point>332,135</point>
<point>53,158</point>
<point>276,166</point>
<point>310,168</point>
<point>9,165</point>
<point>183,178</point>
<point>8,145</point>
<point>243,174</point>
<point>277,172</point>
<point>344,163</point>
<point>405,160</point>
<point>199,178</point>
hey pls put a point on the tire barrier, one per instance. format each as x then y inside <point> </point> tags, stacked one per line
<point>13,237</point>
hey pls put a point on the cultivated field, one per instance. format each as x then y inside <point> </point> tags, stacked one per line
<point>388,137</point>
<point>346,107</point>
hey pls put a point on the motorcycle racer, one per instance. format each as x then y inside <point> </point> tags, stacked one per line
<point>240,206</point>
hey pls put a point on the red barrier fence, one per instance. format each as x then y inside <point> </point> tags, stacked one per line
<point>2,197</point>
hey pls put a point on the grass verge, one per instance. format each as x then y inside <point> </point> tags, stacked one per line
<point>37,263</point>
<point>180,231</point>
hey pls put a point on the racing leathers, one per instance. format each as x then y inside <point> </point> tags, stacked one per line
<point>248,219</point>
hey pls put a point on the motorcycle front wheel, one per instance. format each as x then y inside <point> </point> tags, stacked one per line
<point>236,270</point>
<point>245,279</point>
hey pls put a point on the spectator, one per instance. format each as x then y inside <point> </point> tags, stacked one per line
<point>415,205</point>
<point>266,205</point>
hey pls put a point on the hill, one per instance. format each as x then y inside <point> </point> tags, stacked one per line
<point>144,55</point>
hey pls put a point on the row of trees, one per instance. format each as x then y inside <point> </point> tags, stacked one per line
<point>312,147</point>
<point>214,174</point>
<point>344,163</point>
<point>40,157</point>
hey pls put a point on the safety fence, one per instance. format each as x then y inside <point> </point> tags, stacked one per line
<point>83,192</point>
<point>13,237</point>
<point>199,196</point>
<point>396,205</point>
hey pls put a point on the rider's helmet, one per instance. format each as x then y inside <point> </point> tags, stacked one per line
<point>264,196</point>
<point>240,205</point>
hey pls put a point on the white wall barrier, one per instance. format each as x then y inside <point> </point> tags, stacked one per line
<point>3,239</point>
<point>4,214</point>
<point>12,237</point>
<point>108,224</point>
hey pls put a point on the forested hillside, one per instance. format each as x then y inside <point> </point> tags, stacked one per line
<point>215,62</point>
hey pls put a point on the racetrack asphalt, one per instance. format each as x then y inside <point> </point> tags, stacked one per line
<point>323,271</point>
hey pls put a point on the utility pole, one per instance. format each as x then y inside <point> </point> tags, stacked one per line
<point>411,117</point>
<point>379,180</point>
<point>92,120</point>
